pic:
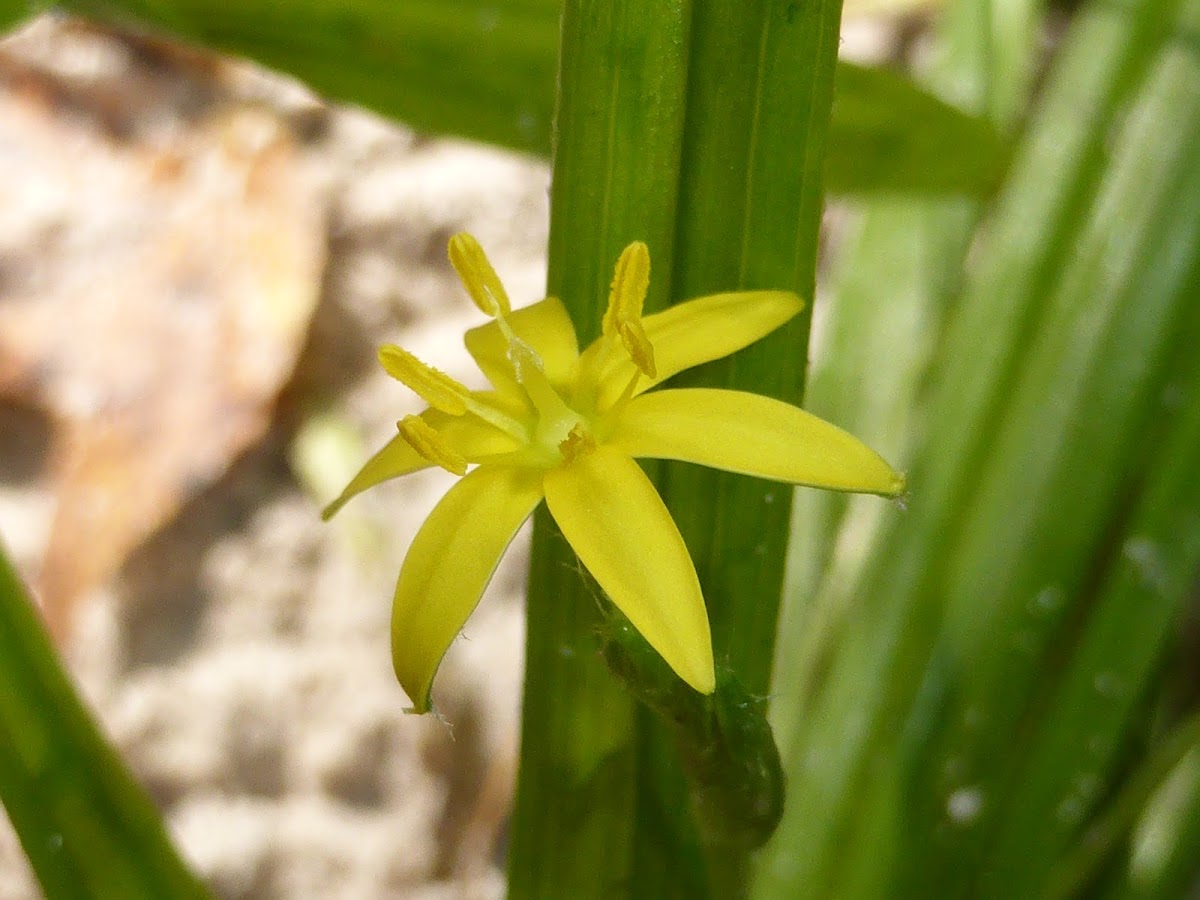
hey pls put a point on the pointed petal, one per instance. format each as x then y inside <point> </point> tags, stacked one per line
<point>621,530</point>
<point>470,438</point>
<point>545,326</point>
<point>694,332</point>
<point>751,434</point>
<point>449,564</point>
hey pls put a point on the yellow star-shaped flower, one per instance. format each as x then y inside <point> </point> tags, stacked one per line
<point>567,426</point>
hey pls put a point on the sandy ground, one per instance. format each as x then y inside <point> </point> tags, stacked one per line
<point>240,660</point>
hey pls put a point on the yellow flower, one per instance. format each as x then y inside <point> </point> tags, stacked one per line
<point>566,426</point>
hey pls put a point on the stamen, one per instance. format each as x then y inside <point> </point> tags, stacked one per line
<point>641,351</point>
<point>631,281</point>
<point>436,388</point>
<point>498,418</point>
<point>532,377</point>
<point>623,320</point>
<point>627,394</point>
<point>577,442</point>
<point>478,276</point>
<point>431,445</point>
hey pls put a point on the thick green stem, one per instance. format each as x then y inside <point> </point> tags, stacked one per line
<point>618,132</point>
<point>602,808</point>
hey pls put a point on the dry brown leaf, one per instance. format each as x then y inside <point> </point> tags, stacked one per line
<point>154,294</point>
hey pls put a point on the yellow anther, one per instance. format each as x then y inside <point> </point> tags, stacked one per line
<point>478,276</point>
<point>630,282</point>
<point>432,446</point>
<point>436,388</point>
<point>625,301</point>
<point>577,442</point>
<point>633,336</point>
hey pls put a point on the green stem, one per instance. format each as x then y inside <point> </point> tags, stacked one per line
<point>602,806</point>
<point>616,158</point>
<point>760,96</point>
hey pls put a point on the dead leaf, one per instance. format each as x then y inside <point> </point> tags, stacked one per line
<point>157,277</point>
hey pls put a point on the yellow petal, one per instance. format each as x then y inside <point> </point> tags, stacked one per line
<point>544,326</point>
<point>748,433</point>
<point>470,438</point>
<point>451,560</point>
<point>621,530</point>
<point>694,332</point>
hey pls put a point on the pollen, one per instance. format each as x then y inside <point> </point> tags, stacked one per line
<point>433,386</point>
<point>577,442</point>
<point>423,438</point>
<point>478,276</point>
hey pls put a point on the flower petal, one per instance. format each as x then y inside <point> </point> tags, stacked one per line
<point>621,530</point>
<point>751,434</point>
<point>449,564</point>
<point>470,438</point>
<point>545,326</point>
<point>694,332</point>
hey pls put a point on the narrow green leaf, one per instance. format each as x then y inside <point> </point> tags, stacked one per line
<point>1054,478</point>
<point>1164,859</point>
<point>1155,816</point>
<point>1043,391</point>
<point>88,828</point>
<point>1091,715</point>
<point>750,209</point>
<point>484,69</point>
<point>865,378</point>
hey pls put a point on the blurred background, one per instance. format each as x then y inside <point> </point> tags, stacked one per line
<point>197,261</point>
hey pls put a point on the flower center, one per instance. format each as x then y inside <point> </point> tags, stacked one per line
<point>556,433</point>
<point>577,442</point>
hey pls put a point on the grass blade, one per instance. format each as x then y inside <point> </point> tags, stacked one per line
<point>87,826</point>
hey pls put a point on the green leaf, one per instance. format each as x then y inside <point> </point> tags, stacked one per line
<point>484,69</point>
<point>88,828</point>
<point>890,136</point>
<point>1164,857</point>
<point>1043,412</point>
<point>1154,818</point>
<point>11,13</point>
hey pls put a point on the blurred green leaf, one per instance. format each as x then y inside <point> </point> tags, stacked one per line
<point>88,828</point>
<point>11,13</point>
<point>484,69</point>
<point>1164,857</point>
<point>889,135</point>
<point>1154,817</point>
<point>1045,413</point>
